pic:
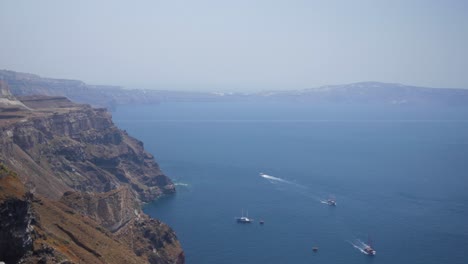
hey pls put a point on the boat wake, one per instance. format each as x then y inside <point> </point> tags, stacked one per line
<point>181,184</point>
<point>330,201</point>
<point>272,178</point>
<point>298,188</point>
<point>359,245</point>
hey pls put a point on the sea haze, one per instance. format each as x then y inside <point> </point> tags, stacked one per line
<point>399,175</point>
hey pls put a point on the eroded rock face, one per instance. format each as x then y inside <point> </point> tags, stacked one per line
<point>152,239</point>
<point>5,90</point>
<point>82,150</point>
<point>85,182</point>
<point>15,229</point>
<point>112,210</point>
<point>148,238</point>
<point>35,229</point>
<point>8,102</point>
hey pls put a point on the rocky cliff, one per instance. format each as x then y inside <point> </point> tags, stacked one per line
<point>8,102</point>
<point>76,147</point>
<point>17,217</point>
<point>71,188</point>
<point>35,229</point>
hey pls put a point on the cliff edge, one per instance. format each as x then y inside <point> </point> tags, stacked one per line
<point>71,186</point>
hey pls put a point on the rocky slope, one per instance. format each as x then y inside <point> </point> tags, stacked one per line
<point>71,188</point>
<point>35,229</point>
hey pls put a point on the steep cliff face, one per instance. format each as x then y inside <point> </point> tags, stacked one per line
<point>8,102</point>
<point>16,218</point>
<point>5,90</point>
<point>112,210</point>
<point>77,147</point>
<point>76,189</point>
<point>148,238</point>
<point>35,229</point>
<point>144,233</point>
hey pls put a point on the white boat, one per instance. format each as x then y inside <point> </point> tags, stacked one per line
<point>244,219</point>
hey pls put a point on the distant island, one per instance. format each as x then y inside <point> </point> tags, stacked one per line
<point>22,84</point>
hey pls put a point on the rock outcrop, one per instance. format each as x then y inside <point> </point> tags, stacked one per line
<point>112,209</point>
<point>144,233</point>
<point>8,102</point>
<point>16,218</point>
<point>71,187</point>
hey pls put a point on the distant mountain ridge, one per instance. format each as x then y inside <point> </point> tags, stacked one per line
<point>374,93</point>
<point>22,84</point>
<point>356,93</point>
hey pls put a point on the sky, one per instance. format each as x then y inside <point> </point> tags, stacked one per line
<point>238,45</point>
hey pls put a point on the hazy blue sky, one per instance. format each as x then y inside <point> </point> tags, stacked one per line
<point>238,44</point>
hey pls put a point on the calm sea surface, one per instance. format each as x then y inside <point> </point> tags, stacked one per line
<point>399,175</point>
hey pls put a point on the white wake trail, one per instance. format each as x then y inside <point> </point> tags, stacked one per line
<point>269,177</point>
<point>300,189</point>
<point>359,247</point>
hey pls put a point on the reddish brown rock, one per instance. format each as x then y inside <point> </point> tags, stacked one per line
<point>71,186</point>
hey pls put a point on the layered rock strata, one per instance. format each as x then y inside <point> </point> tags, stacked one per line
<point>71,186</point>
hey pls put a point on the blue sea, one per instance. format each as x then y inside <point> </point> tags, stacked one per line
<point>399,175</point>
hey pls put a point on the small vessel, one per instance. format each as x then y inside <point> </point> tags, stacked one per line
<point>331,202</point>
<point>262,222</point>
<point>244,219</point>
<point>315,249</point>
<point>368,248</point>
<point>370,251</point>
